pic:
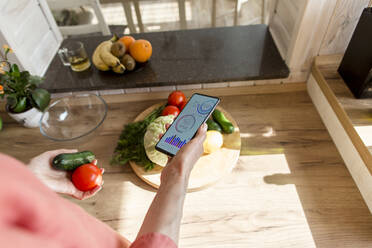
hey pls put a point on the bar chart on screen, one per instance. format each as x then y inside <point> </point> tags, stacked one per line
<point>175,141</point>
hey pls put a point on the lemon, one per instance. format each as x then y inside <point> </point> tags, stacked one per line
<point>213,141</point>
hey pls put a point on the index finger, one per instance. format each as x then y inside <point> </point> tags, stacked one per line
<point>200,134</point>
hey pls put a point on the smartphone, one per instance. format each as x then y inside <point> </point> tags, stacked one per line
<point>184,127</point>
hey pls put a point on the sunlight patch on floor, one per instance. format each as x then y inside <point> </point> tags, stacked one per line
<point>270,214</point>
<point>267,132</point>
<point>260,189</point>
<point>126,205</point>
<point>365,133</point>
<point>270,211</point>
<point>246,135</point>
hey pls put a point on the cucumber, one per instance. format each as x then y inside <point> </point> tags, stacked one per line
<point>70,161</point>
<point>212,125</point>
<point>225,124</point>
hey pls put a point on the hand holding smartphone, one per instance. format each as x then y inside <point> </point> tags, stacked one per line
<point>183,129</point>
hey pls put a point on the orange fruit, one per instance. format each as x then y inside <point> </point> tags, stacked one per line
<point>127,41</point>
<point>141,50</point>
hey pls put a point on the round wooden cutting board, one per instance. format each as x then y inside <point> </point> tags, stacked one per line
<point>209,168</point>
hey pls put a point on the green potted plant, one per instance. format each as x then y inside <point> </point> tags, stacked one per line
<point>25,102</point>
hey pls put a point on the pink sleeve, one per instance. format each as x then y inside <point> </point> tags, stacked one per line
<point>153,240</point>
<point>34,216</point>
<point>11,236</point>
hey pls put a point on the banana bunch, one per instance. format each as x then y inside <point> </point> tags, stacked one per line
<point>104,60</point>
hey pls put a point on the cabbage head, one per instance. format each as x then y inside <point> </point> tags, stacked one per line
<point>151,138</point>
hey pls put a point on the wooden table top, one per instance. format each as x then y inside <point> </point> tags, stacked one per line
<point>290,187</point>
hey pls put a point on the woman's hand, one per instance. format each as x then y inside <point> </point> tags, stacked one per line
<point>180,166</point>
<point>165,213</point>
<point>58,181</point>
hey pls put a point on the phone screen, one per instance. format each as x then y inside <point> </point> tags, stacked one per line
<point>187,123</point>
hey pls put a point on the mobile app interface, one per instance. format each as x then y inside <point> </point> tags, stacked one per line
<point>187,123</point>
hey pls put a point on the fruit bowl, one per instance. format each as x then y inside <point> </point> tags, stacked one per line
<point>73,117</point>
<point>121,55</point>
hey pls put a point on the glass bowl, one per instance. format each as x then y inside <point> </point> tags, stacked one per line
<point>73,117</point>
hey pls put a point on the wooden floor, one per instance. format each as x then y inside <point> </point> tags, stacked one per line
<point>290,187</point>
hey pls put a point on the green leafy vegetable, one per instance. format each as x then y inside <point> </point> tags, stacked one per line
<point>130,145</point>
<point>153,132</point>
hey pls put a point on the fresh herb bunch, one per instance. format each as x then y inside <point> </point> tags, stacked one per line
<point>20,87</point>
<point>130,145</point>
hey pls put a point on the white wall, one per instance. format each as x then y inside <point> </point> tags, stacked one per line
<point>28,29</point>
<point>342,24</point>
<point>303,29</point>
<point>283,20</point>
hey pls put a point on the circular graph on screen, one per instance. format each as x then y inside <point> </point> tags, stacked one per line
<point>205,107</point>
<point>185,123</point>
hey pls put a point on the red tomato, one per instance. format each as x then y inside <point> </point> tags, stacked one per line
<point>87,177</point>
<point>176,98</point>
<point>170,110</point>
<point>183,105</point>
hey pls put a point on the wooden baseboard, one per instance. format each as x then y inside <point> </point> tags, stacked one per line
<point>342,115</point>
<point>350,146</point>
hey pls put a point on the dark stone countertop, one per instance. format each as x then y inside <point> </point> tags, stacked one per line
<point>181,57</point>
